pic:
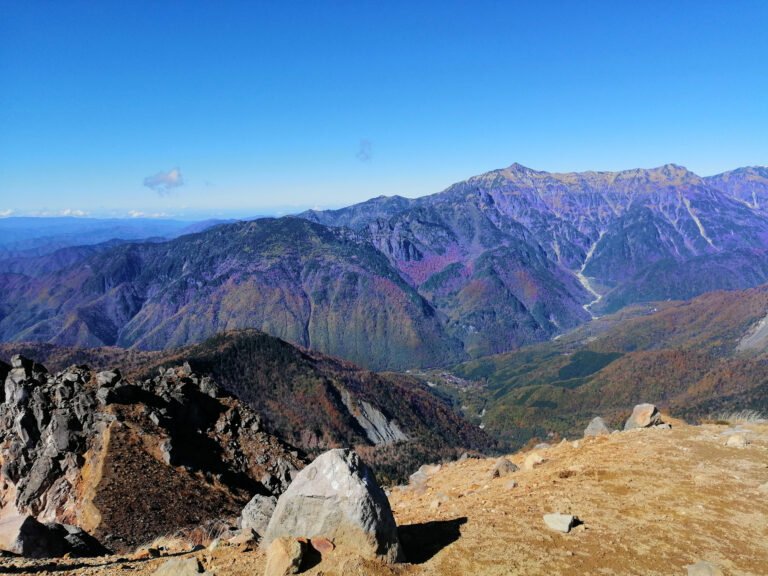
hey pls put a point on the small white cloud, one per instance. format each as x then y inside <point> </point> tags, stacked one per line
<point>140,214</point>
<point>164,182</point>
<point>6,213</point>
<point>71,212</point>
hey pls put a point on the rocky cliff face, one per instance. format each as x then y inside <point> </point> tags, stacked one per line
<point>130,461</point>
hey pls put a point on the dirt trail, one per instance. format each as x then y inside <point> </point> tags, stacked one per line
<point>651,502</point>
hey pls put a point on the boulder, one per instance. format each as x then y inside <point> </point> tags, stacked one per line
<point>502,468</point>
<point>22,534</point>
<point>560,522</point>
<point>337,498</point>
<point>643,416</point>
<point>25,536</point>
<point>597,427</point>
<point>284,557</point>
<point>257,512</point>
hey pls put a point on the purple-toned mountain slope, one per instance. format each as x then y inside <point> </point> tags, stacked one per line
<point>626,236</point>
<point>503,259</point>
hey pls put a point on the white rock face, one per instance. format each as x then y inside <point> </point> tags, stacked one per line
<point>377,428</point>
<point>337,498</point>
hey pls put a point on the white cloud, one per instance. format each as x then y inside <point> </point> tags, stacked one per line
<point>164,182</point>
<point>140,214</point>
<point>6,213</point>
<point>71,212</point>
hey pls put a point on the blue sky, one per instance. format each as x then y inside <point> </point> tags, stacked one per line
<point>272,107</point>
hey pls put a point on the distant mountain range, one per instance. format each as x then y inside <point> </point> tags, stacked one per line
<point>26,237</point>
<point>508,258</point>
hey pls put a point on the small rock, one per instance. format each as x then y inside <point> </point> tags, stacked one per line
<point>322,545</point>
<point>704,568</point>
<point>737,441</point>
<point>664,426</point>
<point>560,522</point>
<point>180,567</point>
<point>532,460</point>
<point>511,484</point>
<point>643,416</point>
<point>108,378</point>
<point>597,427</point>
<point>542,446</point>
<point>763,488</point>
<point>257,512</point>
<point>502,468</point>
<point>284,557</point>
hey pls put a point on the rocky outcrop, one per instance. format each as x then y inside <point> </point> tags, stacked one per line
<point>79,448</point>
<point>337,498</point>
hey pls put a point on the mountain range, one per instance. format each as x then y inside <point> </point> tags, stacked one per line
<point>501,260</point>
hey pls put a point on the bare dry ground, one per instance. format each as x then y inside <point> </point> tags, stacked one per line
<point>650,501</point>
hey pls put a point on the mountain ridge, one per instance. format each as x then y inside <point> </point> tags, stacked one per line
<point>495,262</point>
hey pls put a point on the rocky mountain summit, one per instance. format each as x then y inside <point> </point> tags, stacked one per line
<point>129,461</point>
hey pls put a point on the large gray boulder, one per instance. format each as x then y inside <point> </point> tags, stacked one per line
<point>337,498</point>
<point>23,535</point>
<point>643,416</point>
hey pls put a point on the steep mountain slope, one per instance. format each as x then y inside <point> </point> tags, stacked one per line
<point>310,401</point>
<point>748,184</point>
<point>129,461</point>
<point>321,288</point>
<point>696,358</point>
<point>630,236</point>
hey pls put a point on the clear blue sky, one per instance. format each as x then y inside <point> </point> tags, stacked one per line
<point>267,106</point>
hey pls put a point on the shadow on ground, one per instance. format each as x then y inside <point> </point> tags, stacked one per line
<point>422,541</point>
